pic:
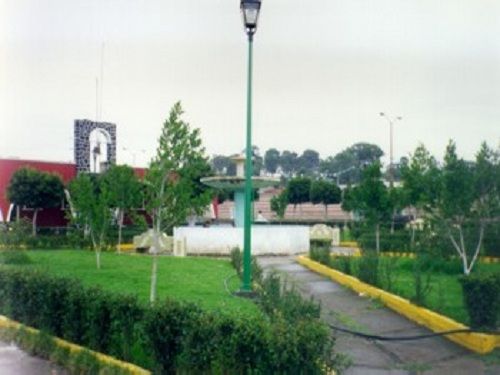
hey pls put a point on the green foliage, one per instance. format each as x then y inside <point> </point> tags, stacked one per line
<point>421,179</point>
<point>482,300</point>
<point>347,165</point>
<point>308,162</point>
<point>124,192</point>
<point>277,300</point>
<point>324,192</point>
<point>344,264</point>
<point>174,336</point>
<point>271,160</point>
<point>91,202</point>
<point>236,257</point>
<point>237,260</point>
<point>172,182</point>
<point>289,162</point>
<point>398,241</point>
<point>223,165</point>
<point>14,235</point>
<point>320,254</point>
<point>279,203</point>
<point>298,190</point>
<point>369,268</point>
<point>17,257</point>
<point>34,189</point>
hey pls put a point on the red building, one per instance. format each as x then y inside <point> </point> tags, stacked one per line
<point>51,217</point>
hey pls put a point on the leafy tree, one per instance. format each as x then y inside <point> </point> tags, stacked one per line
<point>172,180</point>
<point>370,199</point>
<point>91,200</point>
<point>421,183</point>
<point>271,160</point>
<point>223,165</point>
<point>125,193</point>
<point>298,190</point>
<point>347,165</point>
<point>34,189</point>
<point>309,162</point>
<point>324,192</point>
<point>397,201</point>
<point>279,204</point>
<point>289,162</point>
<point>258,161</point>
<point>469,198</point>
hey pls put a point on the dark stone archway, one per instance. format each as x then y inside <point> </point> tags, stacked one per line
<point>82,131</point>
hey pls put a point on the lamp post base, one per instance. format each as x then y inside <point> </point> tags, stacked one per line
<point>250,294</point>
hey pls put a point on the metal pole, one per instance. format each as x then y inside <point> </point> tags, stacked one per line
<point>247,234</point>
<point>391,165</point>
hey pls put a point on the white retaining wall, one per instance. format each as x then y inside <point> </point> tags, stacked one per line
<point>266,239</point>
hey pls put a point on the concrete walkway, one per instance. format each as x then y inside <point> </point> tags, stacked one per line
<point>344,308</point>
<point>14,361</point>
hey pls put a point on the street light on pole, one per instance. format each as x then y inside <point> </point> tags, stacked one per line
<point>391,121</point>
<point>250,13</point>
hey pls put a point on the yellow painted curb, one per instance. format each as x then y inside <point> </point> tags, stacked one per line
<point>477,342</point>
<point>6,323</point>
<point>127,247</point>
<point>349,244</point>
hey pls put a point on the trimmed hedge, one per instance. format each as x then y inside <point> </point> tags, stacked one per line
<point>482,299</point>
<point>168,337</point>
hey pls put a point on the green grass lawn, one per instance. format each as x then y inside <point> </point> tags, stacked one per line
<point>198,280</point>
<point>445,294</point>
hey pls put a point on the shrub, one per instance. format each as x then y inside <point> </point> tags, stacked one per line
<point>321,255</point>
<point>278,300</point>
<point>368,268</point>
<point>320,243</point>
<point>17,257</point>
<point>170,336</point>
<point>482,299</point>
<point>237,260</point>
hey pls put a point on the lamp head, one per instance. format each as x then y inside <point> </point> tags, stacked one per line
<point>250,13</point>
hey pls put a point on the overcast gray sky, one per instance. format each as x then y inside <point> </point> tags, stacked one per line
<point>323,71</point>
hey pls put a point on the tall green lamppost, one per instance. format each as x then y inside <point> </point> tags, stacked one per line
<point>250,12</point>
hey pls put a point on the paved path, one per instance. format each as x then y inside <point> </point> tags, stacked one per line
<point>14,361</point>
<point>342,307</point>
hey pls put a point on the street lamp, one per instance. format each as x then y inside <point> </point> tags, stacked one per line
<point>250,13</point>
<point>391,165</point>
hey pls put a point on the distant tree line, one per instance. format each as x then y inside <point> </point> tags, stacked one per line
<point>345,167</point>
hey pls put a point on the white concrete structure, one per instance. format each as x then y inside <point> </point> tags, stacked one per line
<point>266,239</point>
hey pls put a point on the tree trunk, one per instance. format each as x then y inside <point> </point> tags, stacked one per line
<point>98,258</point>
<point>18,212</point>
<point>377,238</point>
<point>412,240</point>
<point>35,214</point>
<point>392,220</point>
<point>478,248</point>
<point>154,269</point>
<point>120,226</point>
<point>154,273</point>
<point>326,211</point>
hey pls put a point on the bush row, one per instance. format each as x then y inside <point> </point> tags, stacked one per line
<point>481,292</point>
<point>400,240</point>
<point>18,235</point>
<point>168,337</point>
